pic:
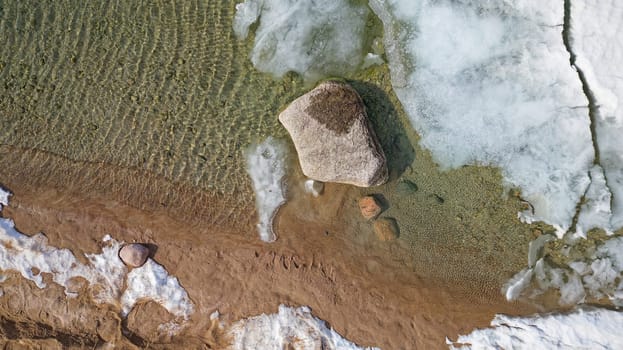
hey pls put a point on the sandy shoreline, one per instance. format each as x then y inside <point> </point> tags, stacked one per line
<point>326,257</point>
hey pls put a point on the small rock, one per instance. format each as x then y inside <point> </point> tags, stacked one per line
<point>386,229</point>
<point>134,254</point>
<point>370,207</point>
<point>406,187</point>
<point>314,187</point>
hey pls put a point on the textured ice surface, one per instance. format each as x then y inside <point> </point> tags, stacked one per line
<point>490,83</point>
<point>596,211</point>
<point>22,253</point>
<point>513,288</point>
<point>32,256</point>
<point>597,41</point>
<point>290,328</point>
<point>589,328</point>
<point>598,274</point>
<point>266,164</point>
<point>313,38</point>
<point>151,281</point>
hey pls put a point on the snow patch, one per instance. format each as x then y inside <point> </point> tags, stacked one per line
<point>291,328</point>
<point>589,328</point>
<point>599,274</point>
<point>171,328</point>
<point>312,38</point>
<point>151,281</point>
<point>32,256</point>
<point>266,164</point>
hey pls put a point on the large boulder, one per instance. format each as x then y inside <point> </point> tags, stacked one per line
<point>386,229</point>
<point>332,136</point>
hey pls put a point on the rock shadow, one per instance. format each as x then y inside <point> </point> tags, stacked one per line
<point>389,129</point>
<point>153,249</point>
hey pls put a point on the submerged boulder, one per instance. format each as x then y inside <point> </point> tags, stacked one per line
<point>334,141</point>
<point>370,207</point>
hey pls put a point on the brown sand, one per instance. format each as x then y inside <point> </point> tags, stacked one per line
<point>373,293</point>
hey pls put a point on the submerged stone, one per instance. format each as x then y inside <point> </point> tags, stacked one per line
<point>335,143</point>
<point>370,207</point>
<point>386,229</point>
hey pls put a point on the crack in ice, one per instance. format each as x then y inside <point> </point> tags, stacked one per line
<point>593,111</point>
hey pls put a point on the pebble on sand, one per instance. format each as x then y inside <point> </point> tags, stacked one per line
<point>134,254</point>
<point>370,207</point>
<point>314,187</point>
<point>386,229</point>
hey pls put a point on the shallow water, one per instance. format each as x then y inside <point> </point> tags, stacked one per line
<point>167,89</point>
<point>159,86</point>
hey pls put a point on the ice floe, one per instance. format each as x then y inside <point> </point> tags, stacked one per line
<point>596,211</point>
<point>596,272</point>
<point>589,328</point>
<point>492,83</point>
<point>266,164</point>
<point>597,42</point>
<point>313,38</point>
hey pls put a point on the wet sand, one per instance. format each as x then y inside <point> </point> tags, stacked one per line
<point>374,293</point>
